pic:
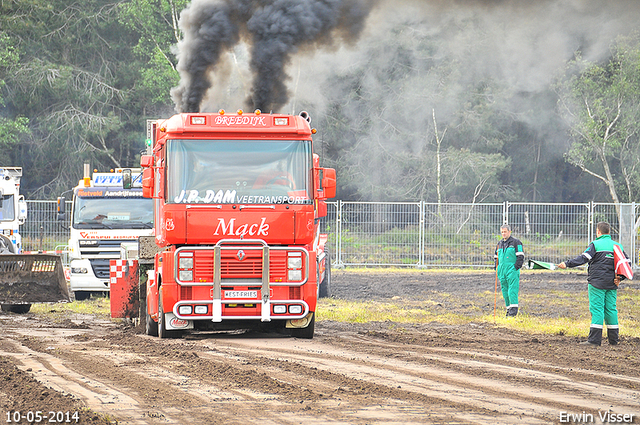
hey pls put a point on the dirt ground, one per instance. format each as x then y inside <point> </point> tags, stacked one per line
<point>376,373</point>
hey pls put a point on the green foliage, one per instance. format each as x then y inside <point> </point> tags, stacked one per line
<point>601,101</point>
<point>15,127</point>
<point>81,79</point>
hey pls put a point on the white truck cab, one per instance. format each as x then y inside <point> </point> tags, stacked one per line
<point>13,209</point>
<point>107,217</point>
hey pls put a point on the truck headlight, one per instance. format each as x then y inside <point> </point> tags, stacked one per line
<point>294,262</point>
<point>185,275</point>
<point>295,309</point>
<point>185,263</point>
<point>79,270</point>
<point>201,309</point>
<point>185,309</point>
<point>295,275</point>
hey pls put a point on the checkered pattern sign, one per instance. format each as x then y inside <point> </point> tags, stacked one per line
<point>118,270</point>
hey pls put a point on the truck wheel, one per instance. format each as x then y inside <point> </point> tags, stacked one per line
<point>150,325</point>
<point>6,246</point>
<point>305,333</point>
<point>162,328</point>
<point>81,295</point>
<point>325,285</point>
<point>16,308</point>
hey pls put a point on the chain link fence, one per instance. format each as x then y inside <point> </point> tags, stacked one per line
<point>422,234</point>
<point>465,235</point>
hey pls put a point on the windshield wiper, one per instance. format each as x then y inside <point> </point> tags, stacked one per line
<point>141,226</point>
<point>92,225</point>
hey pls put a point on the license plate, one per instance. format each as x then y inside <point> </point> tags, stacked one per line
<point>241,294</point>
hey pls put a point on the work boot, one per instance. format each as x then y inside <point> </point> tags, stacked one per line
<point>613,335</point>
<point>594,339</point>
<point>512,311</point>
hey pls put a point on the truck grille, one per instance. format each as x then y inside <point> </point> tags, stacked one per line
<point>232,267</point>
<point>106,248</point>
<point>100,267</point>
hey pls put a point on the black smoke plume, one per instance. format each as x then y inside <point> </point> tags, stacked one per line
<point>274,29</point>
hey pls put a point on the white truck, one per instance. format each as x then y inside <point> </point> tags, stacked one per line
<point>24,278</point>
<point>13,209</point>
<point>108,214</point>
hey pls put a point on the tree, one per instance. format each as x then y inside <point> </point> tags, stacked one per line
<point>11,128</point>
<point>385,139</point>
<point>87,75</point>
<point>156,23</point>
<point>601,103</point>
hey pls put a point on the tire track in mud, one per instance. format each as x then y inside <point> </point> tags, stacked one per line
<point>534,396</point>
<point>342,378</point>
<point>348,374</point>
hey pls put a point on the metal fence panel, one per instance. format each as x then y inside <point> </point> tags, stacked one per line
<point>42,231</point>
<point>550,232</point>
<point>379,233</point>
<point>418,234</point>
<point>460,234</point>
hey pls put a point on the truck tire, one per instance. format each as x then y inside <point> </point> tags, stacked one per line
<point>6,246</point>
<point>325,286</point>
<point>162,328</point>
<point>305,333</point>
<point>16,308</point>
<point>150,325</point>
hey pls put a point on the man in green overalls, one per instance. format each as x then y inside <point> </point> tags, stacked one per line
<point>509,259</point>
<point>603,285</point>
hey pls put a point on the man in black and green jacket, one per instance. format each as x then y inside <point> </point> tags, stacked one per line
<point>509,258</point>
<point>603,285</point>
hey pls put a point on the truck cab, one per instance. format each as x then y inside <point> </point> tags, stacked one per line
<point>107,217</point>
<point>13,209</point>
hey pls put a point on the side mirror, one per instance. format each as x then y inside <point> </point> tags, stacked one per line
<point>126,179</point>
<point>328,182</point>
<point>62,213</point>
<point>22,209</point>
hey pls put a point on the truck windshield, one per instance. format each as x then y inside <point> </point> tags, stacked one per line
<point>7,208</point>
<point>239,171</point>
<point>112,213</point>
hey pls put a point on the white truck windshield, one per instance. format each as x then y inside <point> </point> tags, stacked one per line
<point>238,171</point>
<point>112,213</point>
<point>7,208</point>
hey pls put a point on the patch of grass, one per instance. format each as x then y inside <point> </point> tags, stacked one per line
<point>98,306</point>
<point>575,322</point>
<point>372,311</point>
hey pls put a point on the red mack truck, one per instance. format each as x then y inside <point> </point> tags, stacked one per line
<point>237,200</point>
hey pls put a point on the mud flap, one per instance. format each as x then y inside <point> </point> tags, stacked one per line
<point>300,323</point>
<point>32,278</point>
